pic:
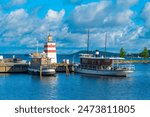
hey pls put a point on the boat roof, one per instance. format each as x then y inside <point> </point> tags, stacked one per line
<point>37,55</point>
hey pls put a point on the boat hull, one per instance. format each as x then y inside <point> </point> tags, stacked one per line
<point>45,72</point>
<point>119,73</point>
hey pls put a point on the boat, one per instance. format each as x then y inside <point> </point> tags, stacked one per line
<point>44,63</point>
<point>40,64</point>
<point>103,66</point>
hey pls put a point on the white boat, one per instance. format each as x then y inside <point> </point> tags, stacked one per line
<point>45,71</point>
<point>95,65</point>
<point>104,66</point>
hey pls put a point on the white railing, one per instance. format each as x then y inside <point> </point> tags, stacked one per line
<point>124,67</point>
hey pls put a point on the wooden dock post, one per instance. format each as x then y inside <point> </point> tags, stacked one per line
<point>67,70</point>
<point>40,71</point>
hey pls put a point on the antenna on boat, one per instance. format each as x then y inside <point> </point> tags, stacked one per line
<point>37,44</point>
<point>105,43</point>
<point>88,41</point>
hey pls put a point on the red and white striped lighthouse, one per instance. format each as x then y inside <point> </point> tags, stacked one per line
<point>50,49</point>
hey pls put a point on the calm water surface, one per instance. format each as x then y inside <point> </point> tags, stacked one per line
<point>77,86</point>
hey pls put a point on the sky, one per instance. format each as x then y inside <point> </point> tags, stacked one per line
<point>24,22</point>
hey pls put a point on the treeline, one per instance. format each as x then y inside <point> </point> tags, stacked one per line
<point>145,53</point>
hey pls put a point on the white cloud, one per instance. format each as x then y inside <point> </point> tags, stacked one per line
<point>124,17</point>
<point>73,1</point>
<point>89,14</point>
<point>17,16</point>
<point>20,29</point>
<point>17,2</point>
<point>126,3</point>
<point>54,16</point>
<point>6,5</point>
<point>100,14</point>
<point>105,16</point>
<point>145,14</point>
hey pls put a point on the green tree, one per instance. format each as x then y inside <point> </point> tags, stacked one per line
<point>122,52</point>
<point>145,53</point>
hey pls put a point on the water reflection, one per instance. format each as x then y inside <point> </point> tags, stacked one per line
<point>109,87</point>
<point>103,77</point>
<point>52,80</point>
<point>4,75</point>
<point>47,86</point>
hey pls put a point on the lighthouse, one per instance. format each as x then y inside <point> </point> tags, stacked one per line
<point>50,49</point>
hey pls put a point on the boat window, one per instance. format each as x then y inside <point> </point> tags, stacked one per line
<point>99,62</point>
<point>84,60</point>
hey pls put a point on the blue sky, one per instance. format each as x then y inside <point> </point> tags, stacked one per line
<point>23,22</point>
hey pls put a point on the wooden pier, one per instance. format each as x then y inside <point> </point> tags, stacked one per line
<point>14,67</point>
<point>23,67</point>
<point>61,67</point>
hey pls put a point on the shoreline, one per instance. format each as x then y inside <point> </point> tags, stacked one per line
<point>132,61</point>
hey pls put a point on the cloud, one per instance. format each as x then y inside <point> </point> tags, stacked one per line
<point>99,14</point>
<point>20,29</point>
<point>54,16</point>
<point>126,3</point>
<point>146,22</point>
<point>105,16</point>
<point>74,2</point>
<point>145,15</point>
<point>8,5</point>
<point>17,2</point>
<point>17,15</point>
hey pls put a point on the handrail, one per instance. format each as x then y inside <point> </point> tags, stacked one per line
<point>129,67</point>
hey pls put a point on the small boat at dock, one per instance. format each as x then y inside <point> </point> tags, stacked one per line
<point>40,64</point>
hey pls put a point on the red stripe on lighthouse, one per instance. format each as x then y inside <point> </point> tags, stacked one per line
<point>49,46</point>
<point>50,51</point>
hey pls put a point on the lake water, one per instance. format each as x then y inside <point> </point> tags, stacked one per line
<point>77,86</point>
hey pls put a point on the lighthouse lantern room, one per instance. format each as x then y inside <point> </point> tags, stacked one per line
<point>50,49</point>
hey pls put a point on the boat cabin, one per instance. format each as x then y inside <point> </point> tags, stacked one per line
<point>97,63</point>
<point>39,60</point>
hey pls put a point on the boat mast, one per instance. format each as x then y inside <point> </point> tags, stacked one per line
<point>88,41</point>
<point>37,43</point>
<point>105,44</point>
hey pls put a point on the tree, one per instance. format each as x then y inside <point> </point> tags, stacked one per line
<point>145,53</point>
<point>122,53</point>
